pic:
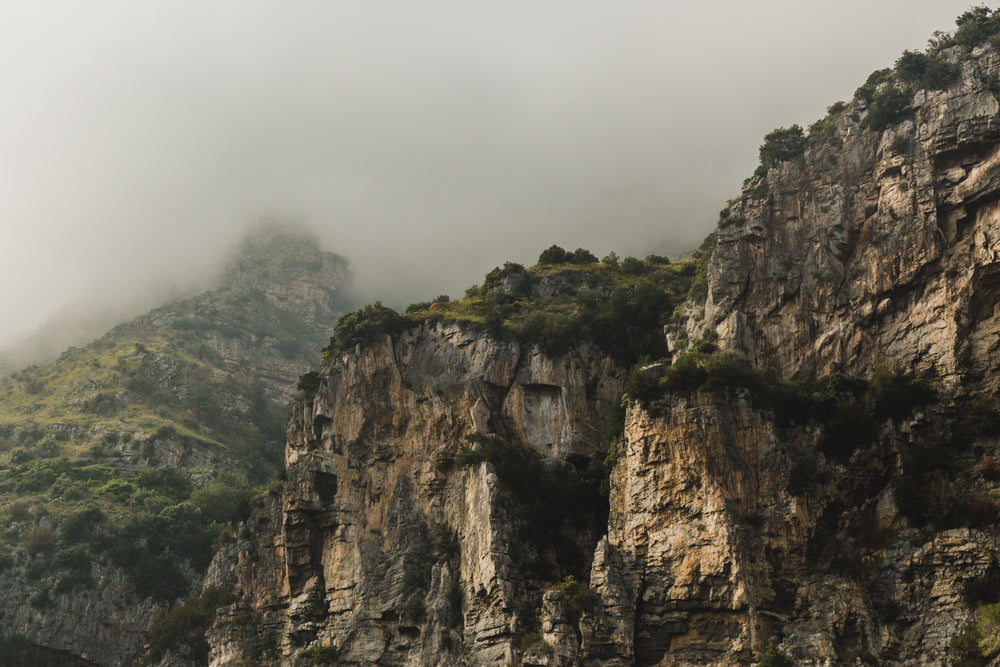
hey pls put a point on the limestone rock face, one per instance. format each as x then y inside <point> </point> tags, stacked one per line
<point>709,556</point>
<point>698,515</point>
<point>880,246</point>
<point>357,556</point>
<point>733,530</point>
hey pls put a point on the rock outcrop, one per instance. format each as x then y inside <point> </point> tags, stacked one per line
<point>388,551</point>
<point>878,246</point>
<point>737,527</point>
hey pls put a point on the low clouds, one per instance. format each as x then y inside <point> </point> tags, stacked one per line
<point>427,141</point>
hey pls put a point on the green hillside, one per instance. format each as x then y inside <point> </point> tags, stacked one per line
<point>140,450</point>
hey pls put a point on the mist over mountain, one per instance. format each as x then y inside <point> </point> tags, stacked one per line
<point>424,141</point>
<point>780,450</point>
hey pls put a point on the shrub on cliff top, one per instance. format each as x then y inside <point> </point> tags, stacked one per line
<point>866,92</point>
<point>976,25</point>
<point>923,70</point>
<point>556,255</point>
<point>781,145</point>
<point>364,326</point>
<point>888,107</point>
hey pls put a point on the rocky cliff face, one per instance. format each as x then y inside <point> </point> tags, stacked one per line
<point>848,522</point>
<point>383,546</point>
<point>876,245</point>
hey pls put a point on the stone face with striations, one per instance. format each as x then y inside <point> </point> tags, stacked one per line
<point>373,489</point>
<point>733,529</point>
<point>879,247</point>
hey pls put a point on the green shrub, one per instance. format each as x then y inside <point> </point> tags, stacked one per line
<point>579,596</point>
<point>706,344</point>
<point>364,326</point>
<point>866,92</point>
<point>182,628</point>
<point>632,266</point>
<point>170,482</point>
<point>976,25</point>
<point>81,523</point>
<point>921,70</point>
<point>772,657</point>
<point>982,590</point>
<point>888,107</point>
<point>781,145</point>
<point>893,393</point>
<point>495,278</point>
<point>939,73</point>
<point>836,109</point>
<point>964,648</point>
<point>581,256</point>
<point>911,65</point>
<point>222,503</point>
<point>309,382</point>
<point>553,255</point>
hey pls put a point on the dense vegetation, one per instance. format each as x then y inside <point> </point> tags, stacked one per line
<point>183,627</point>
<point>849,408</point>
<point>567,298</point>
<point>140,450</point>
<point>550,501</point>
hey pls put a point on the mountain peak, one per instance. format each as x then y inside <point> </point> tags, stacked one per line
<point>275,251</point>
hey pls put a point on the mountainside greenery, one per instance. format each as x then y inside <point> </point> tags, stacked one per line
<point>141,449</point>
<point>567,298</point>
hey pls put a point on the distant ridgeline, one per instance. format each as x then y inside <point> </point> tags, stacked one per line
<point>124,464</point>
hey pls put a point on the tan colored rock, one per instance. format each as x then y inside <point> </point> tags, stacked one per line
<point>372,486</point>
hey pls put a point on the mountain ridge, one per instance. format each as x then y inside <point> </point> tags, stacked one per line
<point>807,477</point>
<point>127,458</point>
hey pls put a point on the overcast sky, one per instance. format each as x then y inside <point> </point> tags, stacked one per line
<point>427,140</point>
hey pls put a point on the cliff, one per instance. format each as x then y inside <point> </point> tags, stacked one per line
<point>810,478</point>
<point>384,544</point>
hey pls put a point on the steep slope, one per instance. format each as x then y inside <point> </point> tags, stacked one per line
<point>862,525</point>
<point>808,477</point>
<point>443,469</point>
<point>125,459</point>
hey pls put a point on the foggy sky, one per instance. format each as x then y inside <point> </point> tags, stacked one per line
<point>426,140</point>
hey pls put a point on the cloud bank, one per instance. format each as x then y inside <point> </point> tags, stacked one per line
<point>426,141</point>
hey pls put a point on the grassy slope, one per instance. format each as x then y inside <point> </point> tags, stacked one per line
<point>146,444</point>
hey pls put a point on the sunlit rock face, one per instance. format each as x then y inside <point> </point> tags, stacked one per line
<point>353,551</point>
<point>736,529</point>
<point>874,247</point>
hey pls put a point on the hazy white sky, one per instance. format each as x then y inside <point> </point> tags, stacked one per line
<point>428,141</point>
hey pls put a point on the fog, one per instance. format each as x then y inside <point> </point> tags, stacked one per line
<point>427,141</point>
